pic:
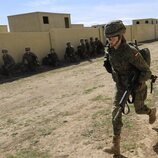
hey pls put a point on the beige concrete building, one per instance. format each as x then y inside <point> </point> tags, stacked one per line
<point>145,21</point>
<point>38,22</point>
<point>77,26</point>
<point>42,31</point>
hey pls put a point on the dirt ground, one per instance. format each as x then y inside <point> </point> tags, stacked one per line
<point>66,113</point>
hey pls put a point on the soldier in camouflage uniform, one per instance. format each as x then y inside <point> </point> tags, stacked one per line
<point>9,62</point>
<point>82,50</point>
<point>99,47</point>
<point>30,60</point>
<point>120,60</point>
<point>92,47</point>
<point>70,54</point>
<point>51,59</point>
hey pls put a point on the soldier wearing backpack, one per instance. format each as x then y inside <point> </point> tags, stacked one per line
<point>120,60</point>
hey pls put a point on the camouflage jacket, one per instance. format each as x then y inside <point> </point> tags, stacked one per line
<point>8,60</point>
<point>125,59</point>
<point>29,58</point>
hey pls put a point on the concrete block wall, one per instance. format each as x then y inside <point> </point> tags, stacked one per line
<point>16,43</point>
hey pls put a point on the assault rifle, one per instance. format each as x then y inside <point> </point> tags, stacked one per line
<point>125,98</point>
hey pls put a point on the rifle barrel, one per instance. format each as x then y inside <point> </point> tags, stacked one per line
<point>118,113</point>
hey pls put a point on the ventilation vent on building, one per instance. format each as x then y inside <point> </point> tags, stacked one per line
<point>146,21</point>
<point>45,20</point>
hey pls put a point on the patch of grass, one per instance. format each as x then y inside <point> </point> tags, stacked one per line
<point>65,113</point>
<point>29,153</point>
<point>101,98</point>
<point>128,146</point>
<point>66,95</point>
<point>14,134</point>
<point>87,91</point>
<point>101,85</point>
<point>148,101</point>
<point>101,122</point>
<point>10,121</point>
<point>99,113</point>
<point>88,133</point>
<point>101,119</point>
<point>45,131</point>
<point>34,142</point>
<point>127,122</point>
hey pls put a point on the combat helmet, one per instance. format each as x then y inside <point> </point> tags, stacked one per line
<point>4,50</point>
<point>27,49</point>
<point>115,28</point>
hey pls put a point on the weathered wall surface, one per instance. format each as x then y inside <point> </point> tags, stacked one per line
<point>16,43</point>
<point>24,23</point>
<point>41,42</point>
<point>143,32</point>
<point>128,34</point>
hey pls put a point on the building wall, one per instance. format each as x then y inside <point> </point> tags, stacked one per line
<point>156,31</point>
<point>128,34</point>
<point>24,23</point>
<point>55,21</point>
<point>33,22</point>
<point>59,38</point>
<point>16,43</point>
<point>143,21</point>
<point>40,43</point>
<point>77,26</point>
<point>143,32</point>
<point>3,28</point>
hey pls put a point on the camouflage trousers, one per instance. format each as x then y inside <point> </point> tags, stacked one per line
<point>140,94</point>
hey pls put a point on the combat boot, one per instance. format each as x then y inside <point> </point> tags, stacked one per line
<point>115,148</point>
<point>152,116</point>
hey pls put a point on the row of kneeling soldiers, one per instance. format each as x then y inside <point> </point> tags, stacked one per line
<point>85,50</point>
<point>30,61</point>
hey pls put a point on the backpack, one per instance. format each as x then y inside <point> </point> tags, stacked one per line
<point>145,52</point>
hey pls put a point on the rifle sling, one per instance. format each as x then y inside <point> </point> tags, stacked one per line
<point>128,110</point>
<point>131,101</point>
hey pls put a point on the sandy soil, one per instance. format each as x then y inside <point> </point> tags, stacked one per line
<point>66,113</point>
